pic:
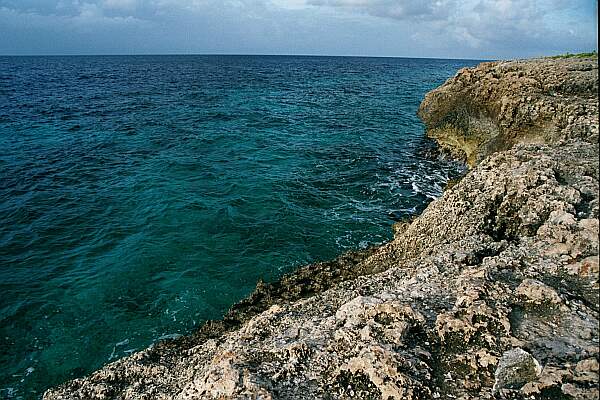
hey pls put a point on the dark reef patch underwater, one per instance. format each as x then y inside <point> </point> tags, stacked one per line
<point>141,195</point>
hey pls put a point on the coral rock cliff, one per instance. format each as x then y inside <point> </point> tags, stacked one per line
<point>499,104</point>
<point>492,293</point>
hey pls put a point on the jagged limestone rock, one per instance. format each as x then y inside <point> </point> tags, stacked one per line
<point>498,104</point>
<point>507,258</point>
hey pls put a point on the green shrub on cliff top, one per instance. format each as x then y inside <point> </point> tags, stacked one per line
<point>593,54</point>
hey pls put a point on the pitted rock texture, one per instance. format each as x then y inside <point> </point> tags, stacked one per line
<point>492,293</point>
<point>499,104</point>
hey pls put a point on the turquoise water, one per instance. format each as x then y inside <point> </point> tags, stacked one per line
<point>142,195</point>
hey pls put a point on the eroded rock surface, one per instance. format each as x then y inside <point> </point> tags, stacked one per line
<point>491,293</point>
<point>498,104</point>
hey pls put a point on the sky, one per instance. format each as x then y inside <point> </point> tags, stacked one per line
<point>476,29</point>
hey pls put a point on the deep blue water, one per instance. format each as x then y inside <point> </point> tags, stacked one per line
<point>142,195</point>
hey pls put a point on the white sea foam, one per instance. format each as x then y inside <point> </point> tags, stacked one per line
<point>171,336</point>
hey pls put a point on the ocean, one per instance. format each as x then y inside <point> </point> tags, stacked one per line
<point>142,195</point>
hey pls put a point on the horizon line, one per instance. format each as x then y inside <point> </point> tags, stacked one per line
<point>240,55</point>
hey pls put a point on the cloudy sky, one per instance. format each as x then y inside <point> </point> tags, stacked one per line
<point>404,28</point>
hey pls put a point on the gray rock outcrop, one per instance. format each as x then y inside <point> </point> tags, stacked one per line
<point>516,368</point>
<point>491,293</point>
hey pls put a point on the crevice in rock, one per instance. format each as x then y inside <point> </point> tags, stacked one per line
<point>574,288</point>
<point>347,384</point>
<point>500,226</point>
<point>560,177</point>
<point>476,258</point>
<point>583,209</point>
<point>553,393</point>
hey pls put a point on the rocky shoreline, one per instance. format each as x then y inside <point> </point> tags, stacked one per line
<point>491,293</point>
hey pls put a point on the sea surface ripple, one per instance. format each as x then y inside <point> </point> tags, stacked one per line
<point>142,195</point>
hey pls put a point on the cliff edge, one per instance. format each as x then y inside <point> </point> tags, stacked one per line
<point>492,293</point>
<point>498,104</point>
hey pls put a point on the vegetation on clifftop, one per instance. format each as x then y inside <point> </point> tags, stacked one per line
<point>593,54</point>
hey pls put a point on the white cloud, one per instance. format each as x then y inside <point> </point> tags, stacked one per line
<point>289,4</point>
<point>474,23</point>
<point>451,27</point>
<point>83,15</point>
<point>391,8</point>
<point>120,4</point>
